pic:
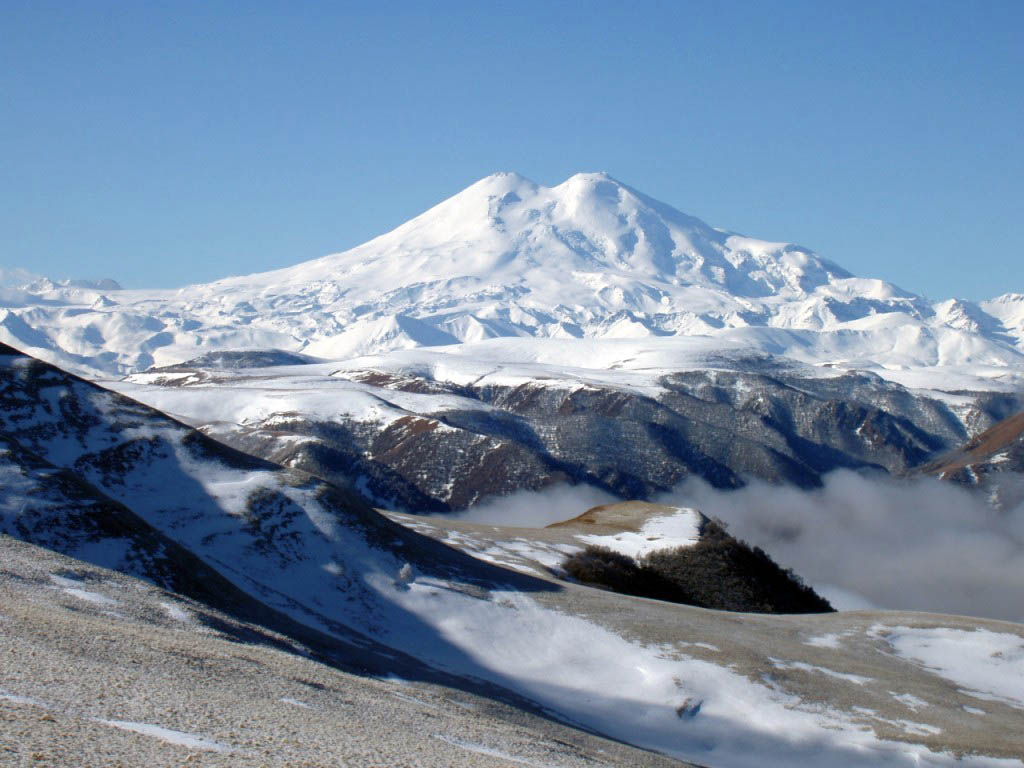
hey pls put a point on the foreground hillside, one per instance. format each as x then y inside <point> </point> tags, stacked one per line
<point>335,577</point>
<point>100,669</point>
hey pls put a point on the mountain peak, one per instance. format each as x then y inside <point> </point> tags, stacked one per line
<point>503,182</point>
<point>590,177</point>
<point>500,182</point>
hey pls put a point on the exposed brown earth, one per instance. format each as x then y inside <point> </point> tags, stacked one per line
<point>1005,435</point>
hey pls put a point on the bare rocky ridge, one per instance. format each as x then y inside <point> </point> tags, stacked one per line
<point>999,448</point>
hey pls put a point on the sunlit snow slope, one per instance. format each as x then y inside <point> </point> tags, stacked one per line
<point>506,257</point>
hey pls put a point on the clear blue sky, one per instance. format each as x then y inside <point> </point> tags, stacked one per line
<point>176,142</point>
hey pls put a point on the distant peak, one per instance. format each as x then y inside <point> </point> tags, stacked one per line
<point>594,184</point>
<point>505,176</point>
<point>502,182</point>
<point>590,176</point>
<point>589,180</point>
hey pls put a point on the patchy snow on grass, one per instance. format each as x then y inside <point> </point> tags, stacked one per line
<point>65,581</point>
<point>804,667</point>
<point>705,646</point>
<point>907,726</point>
<point>180,738</point>
<point>909,700</point>
<point>830,640</point>
<point>685,707</point>
<point>519,554</point>
<point>988,665</point>
<point>91,597</point>
<point>681,529</point>
<point>176,612</point>
<point>481,749</point>
<point>295,702</point>
<point>26,701</point>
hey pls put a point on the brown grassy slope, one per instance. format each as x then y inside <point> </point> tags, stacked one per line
<point>1002,436</point>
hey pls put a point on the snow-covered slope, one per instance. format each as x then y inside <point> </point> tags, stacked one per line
<point>590,257</point>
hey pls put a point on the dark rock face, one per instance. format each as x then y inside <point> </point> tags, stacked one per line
<point>241,358</point>
<point>719,425</point>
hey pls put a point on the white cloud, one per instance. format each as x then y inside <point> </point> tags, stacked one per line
<point>923,545</point>
<point>535,509</point>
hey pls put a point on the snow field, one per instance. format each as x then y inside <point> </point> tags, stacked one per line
<point>988,665</point>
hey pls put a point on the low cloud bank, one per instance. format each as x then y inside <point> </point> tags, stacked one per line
<point>923,545</point>
<point>536,509</point>
<point>861,541</point>
<point>16,277</point>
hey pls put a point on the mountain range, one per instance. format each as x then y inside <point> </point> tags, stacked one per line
<point>590,258</point>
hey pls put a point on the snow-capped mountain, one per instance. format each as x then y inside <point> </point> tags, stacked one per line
<point>588,258</point>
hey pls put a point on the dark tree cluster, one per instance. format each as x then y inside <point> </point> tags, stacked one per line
<point>719,572</point>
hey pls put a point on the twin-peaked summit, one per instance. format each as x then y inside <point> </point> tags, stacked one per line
<point>506,257</point>
<point>590,257</point>
<point>508,230</point>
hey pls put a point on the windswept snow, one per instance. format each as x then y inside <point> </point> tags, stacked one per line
<point>176,612</point>
<point>988,665</point>
<point>91,597</point>
<point>295,702</point>
<point>482,749</point>
<point>178,738</point>
<point>909,700</point>
<point>830,640</point>
<point>805,667</point>
<point>26,701</point>
<point>686,707</point>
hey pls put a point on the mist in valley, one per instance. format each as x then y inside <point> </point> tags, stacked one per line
<point>862,541</point>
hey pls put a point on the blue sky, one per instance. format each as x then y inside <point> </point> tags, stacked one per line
<point>168,143</point>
